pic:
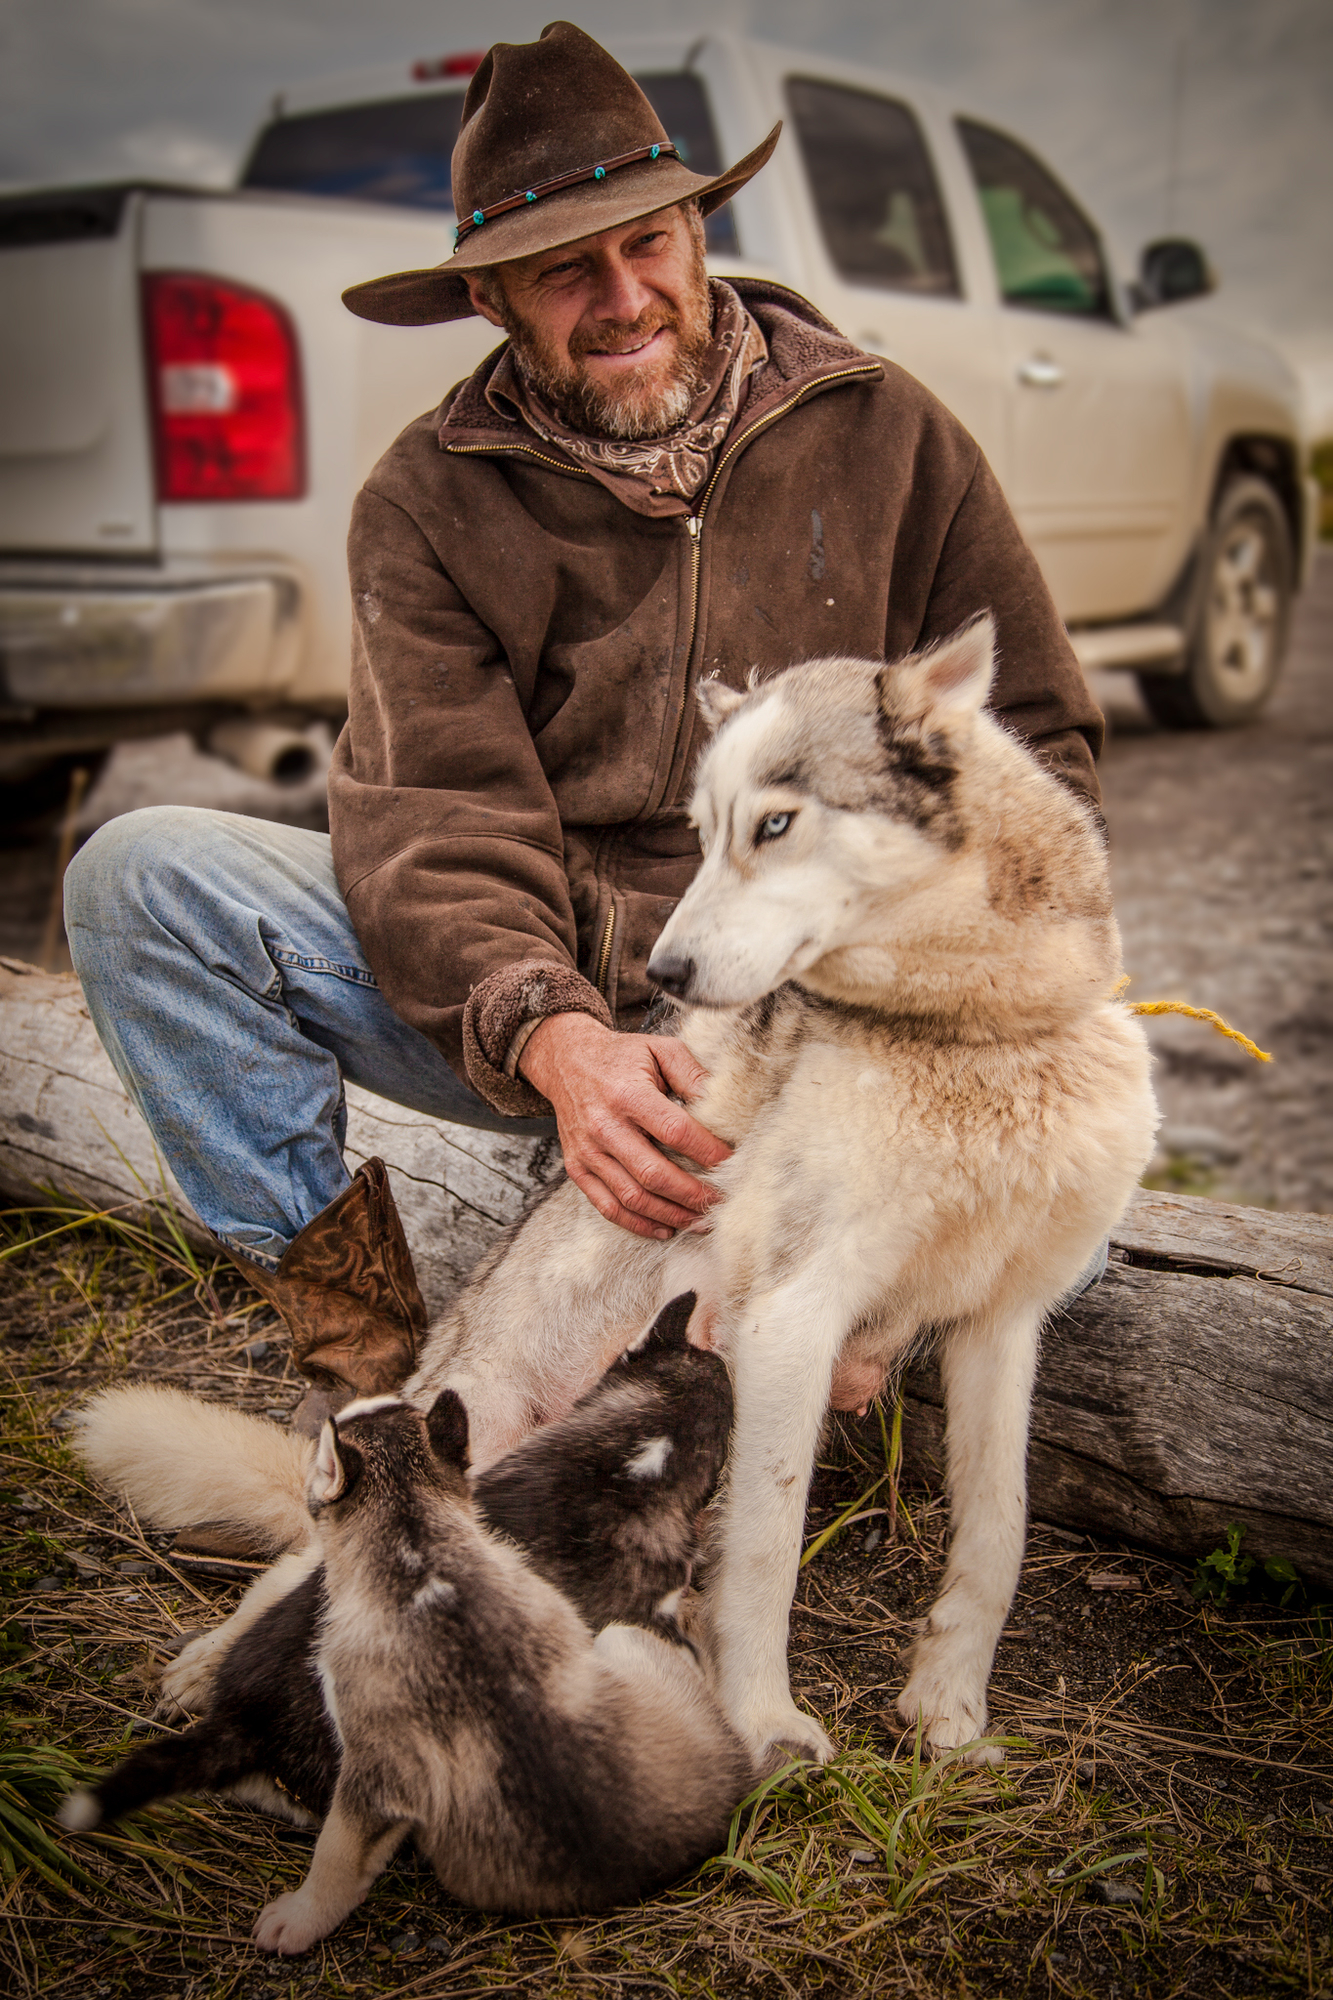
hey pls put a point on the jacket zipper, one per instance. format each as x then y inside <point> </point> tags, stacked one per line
<point>604,950</point>
<point>694,523</point>
<point>479,450</point>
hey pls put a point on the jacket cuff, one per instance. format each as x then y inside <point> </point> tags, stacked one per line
<point>516,997</point>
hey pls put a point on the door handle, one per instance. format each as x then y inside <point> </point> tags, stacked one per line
<point>1040,372</point>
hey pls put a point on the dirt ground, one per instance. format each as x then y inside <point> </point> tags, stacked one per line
<point>1162,1824</point>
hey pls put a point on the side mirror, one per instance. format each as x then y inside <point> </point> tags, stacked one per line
<point>1170,270</point>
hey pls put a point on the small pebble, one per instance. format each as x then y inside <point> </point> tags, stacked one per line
<point>873,1540</point>
<point>1086,1769</point>
<point>257,1350</point>
<point>1057,1958</point>
<point>439,1944</point>
<point>47,1583</point>
<point>1115,1889</point>
<point>861,1856</point>
<point>403,1942</point>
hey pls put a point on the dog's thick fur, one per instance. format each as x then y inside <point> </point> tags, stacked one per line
<point>539,1768</point>
<point>898,965</point>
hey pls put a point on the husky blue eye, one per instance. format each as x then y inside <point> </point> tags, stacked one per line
<point>774,826</point>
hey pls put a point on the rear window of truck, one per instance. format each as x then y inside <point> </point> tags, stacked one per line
<point>398,150</point>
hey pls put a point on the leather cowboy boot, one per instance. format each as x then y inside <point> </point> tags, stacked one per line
<point>347,1291</point>
<point>349,1296</point>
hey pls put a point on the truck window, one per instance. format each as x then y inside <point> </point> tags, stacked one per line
<point>1047,254</point>
<point>875,191</point>
<point>398,150</point>
<point>395,151</point>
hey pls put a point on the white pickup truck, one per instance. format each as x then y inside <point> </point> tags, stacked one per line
<point>186,409</point>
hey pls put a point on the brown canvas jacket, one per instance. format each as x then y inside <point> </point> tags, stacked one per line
<point>508,798</point>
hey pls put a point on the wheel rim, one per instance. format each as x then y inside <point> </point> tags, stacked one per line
<point>1244,611</point>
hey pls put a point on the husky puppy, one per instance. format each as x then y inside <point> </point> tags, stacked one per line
<point>539,1768</point>
<point>606,1504</point>
<point>898,964</point>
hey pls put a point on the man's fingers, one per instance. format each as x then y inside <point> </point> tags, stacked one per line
<point>684,1075</point>
<point>671,1124</point>
<point>632,1174</point>
<point>605,1202</point>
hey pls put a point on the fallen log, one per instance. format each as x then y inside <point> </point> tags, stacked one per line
<point>1192,1388</point>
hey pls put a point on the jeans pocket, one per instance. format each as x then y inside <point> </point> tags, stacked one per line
<point>300,961</point>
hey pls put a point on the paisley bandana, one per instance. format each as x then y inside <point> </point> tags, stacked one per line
<point>654,475</point>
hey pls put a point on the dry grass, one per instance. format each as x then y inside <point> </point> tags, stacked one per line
<point>1163,1823</point>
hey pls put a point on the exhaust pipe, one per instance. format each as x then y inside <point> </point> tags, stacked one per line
<point>267,750</point>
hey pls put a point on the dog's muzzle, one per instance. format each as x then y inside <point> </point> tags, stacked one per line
<point>673,973</point>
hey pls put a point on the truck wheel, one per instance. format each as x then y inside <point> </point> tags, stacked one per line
<point>1239,636</point>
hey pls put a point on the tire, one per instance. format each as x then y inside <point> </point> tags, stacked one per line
<point>1242,610</point>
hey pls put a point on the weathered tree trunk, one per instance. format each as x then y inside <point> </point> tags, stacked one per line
<point>1193,1387</point>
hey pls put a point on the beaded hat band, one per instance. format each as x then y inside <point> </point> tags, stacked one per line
<point>472,223</point>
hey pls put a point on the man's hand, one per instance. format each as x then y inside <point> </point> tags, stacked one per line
<point>609,1094</point>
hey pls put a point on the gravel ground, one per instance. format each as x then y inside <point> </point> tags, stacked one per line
<point>1222,844</point>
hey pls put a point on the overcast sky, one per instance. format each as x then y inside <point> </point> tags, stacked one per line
<point>1211,118</point>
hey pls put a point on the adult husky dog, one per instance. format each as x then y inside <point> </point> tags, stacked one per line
<point>898,965</point>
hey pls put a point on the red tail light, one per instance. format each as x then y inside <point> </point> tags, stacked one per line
<point>225,387</point>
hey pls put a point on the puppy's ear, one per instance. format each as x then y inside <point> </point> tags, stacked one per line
<point>338,1465</point>
<point>948,682</point>
<point>446,1427</point>
<point>717,701</point>
<point>668,1332</point>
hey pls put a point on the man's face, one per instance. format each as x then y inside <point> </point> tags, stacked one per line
<point>612,330</point>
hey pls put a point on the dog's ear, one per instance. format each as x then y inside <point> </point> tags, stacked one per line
<point>948,682</point>
<point>446,1427</point>
<point>717,701</point>
<point>668,1332</point>
<point>338,1466</point>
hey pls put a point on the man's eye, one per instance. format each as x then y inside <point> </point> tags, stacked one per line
<point>774,826</point>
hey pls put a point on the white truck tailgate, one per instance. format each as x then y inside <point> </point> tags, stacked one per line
<point>76,472</point>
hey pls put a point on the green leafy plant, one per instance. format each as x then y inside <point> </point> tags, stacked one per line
<point>1226,1570</point>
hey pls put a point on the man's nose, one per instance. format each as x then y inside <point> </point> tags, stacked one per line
<point>618,293</point>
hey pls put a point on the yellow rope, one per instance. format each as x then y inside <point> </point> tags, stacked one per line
<point>1195,1014</point>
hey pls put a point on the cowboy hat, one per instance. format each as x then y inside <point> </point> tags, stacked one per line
<point>557,142</point>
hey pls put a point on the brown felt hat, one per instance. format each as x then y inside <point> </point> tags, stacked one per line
<point>557,142</point>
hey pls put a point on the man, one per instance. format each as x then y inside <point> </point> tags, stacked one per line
<point>656,478</point>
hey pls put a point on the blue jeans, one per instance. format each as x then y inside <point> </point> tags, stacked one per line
<point>226,982</point>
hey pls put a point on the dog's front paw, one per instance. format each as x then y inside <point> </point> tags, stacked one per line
<point>288,1925</point>
<point>778,1734</point>
<point>187,1681</point>
<point>949,1716</point>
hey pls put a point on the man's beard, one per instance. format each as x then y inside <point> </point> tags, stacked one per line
<point>634,409</point>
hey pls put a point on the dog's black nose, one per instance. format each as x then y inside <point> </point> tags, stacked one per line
<point>671,972</point>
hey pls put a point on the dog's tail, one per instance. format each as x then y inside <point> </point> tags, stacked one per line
<point>181,1463</point>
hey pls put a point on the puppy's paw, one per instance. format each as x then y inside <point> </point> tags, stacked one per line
<point>288,1925</point>
<point>187,1681</point>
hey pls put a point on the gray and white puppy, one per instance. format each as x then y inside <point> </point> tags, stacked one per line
<point>539,1769</point>
<point>606,1504</point>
